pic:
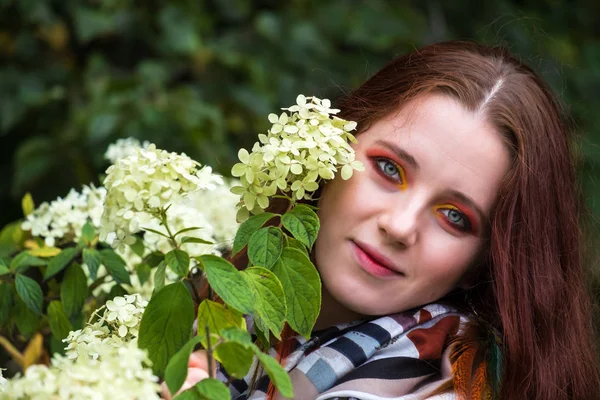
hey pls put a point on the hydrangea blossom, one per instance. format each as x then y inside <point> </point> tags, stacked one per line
<point>101,352</point>
<point>64,218</point>
<point>124,148</point>
<point>140,185</point>
<point>121,373</point>
<point>301,148</point>
<point>118,323</point>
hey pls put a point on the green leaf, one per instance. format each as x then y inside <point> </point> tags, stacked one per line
<point>189,239</point>
<point>237,335</point>
<point>115,266</point>
<point>190,394</point>
<point>91,258</point>
<point>217,317</point>
<point>6,302</point>
<point>138,247</point>
<point>74,290</point>
<point>24,260</point>
<point>143,271</point>
<point>157,232</point>
<point>27,204</point>
<point>247,228</point>
<point>270,301</point>
<point>235,358</point>
<point>59,323</point>
<point>193,228</point>
<point>154,258</point>
<point>25,319</point>
<point>303,223</point>
<point>3,268</point>
<point>178,261</point>
<point>88,233</point>
<point>228,283</point>
<point>30,292</point>
<point>159,276</point>
<point>177,367</point>
<point>166,324</point>
<point>212,389</point>
<point>265,245</point>
<point>59,262</point>
<point>302,288</point>
<point>296,244</point>
<point>278,376</point>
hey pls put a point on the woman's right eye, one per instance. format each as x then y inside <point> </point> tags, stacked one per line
<point>390,170</point>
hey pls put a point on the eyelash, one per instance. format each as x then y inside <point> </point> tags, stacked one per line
<point>380,162</point>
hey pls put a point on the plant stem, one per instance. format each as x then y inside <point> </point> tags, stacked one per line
<point>10,349</point>
<point>209,352</point>
<point>163,217</point>
<point>97,283</point>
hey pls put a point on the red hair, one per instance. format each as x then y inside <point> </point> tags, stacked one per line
<point>531,287</point>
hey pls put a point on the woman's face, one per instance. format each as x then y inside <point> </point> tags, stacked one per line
<point>405,231</point>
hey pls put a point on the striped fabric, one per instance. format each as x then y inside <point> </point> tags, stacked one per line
<point>401,356</point>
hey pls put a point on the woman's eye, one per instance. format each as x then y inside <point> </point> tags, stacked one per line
<point>389,169</point>
<point>457,219</point>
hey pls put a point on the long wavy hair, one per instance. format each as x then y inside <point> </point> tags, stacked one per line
<point>531,286</point>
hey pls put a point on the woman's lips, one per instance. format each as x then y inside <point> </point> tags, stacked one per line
<point>372,262</point>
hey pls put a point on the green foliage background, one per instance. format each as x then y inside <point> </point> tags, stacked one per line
<point>200,76</point>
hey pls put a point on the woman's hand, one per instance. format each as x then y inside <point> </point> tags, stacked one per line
<point>197,370</point>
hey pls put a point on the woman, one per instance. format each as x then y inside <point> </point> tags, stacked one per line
<point>465,222</point>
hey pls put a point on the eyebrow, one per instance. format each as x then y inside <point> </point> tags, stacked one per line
<point>400,153</point>
<point>404,155</point>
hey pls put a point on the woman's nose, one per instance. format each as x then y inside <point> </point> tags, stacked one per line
<point>399,223</point>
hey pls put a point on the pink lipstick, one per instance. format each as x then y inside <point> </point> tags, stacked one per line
<point>373,262</point>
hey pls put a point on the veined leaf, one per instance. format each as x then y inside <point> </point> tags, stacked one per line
<point>270,299</point>
<point>24,260</point>
<point>6,302</point>
<point>88,233</point>
<point>247,228</point>
<point>212,389</point>
<point>143,271</point>
<point>166,324</point>
<point>60,261</point>
<point>92,258</point>
<point>278,376</point>
<point>190,239</point>
<point>303,223</point>
<point>302,288</point>
<point>235,358</point>
<point>44,252</point>
<point>178,261</point>
<point>27,204</point>
<point>30,292</point>
<point>228,283</point>
<point>177,367</point>
<point>159,276</point>
<point>3,268</point>
<point>265,245</point>
<point>218,317</point>
<point>59,323</point>
<point>73,290</point>
<point>115,266</point>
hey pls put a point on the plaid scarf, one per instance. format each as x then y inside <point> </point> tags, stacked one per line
<point>402,356</point>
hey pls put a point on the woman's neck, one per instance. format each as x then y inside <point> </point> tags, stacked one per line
<point>333,312</point>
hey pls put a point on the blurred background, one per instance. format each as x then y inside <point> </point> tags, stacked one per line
<point>200,76</point>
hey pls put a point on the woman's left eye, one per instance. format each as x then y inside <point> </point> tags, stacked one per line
<point>456,219</point>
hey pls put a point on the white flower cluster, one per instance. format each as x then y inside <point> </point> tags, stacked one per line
<point>64,218</point>
<point>123,148</point>
<point>118,324</point>
<point>140,185</point>
<point>299,150</point>
<point>102,361</point>
<point>120,374</point>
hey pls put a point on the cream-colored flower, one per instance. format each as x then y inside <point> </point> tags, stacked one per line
<point>142,184</point>
<point>302,148</point>
<point>63,218</point>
